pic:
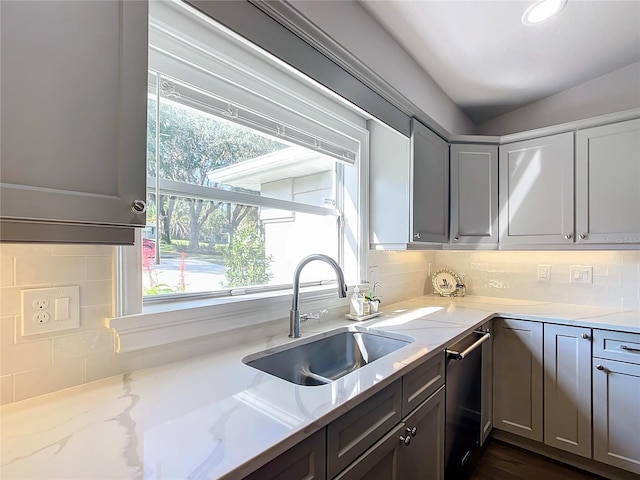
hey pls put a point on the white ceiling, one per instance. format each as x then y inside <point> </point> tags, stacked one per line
<point>489,63</point>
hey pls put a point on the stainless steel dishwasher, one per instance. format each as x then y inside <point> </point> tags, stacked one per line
<point>464,402</point>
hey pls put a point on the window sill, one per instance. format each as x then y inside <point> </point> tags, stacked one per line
<point>166,323</point>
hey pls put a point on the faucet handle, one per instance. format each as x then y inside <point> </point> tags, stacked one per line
<point>306,316</point>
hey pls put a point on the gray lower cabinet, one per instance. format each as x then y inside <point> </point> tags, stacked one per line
<point>607,179</point>
<point>536,191</point>
<point>567,388</point>
<point>353,433</point>
<point>413,449</point>
<point>414,446</point>
<point>73,134</point>
<point>517,377</point>
<point>474,194</point>
<point>397,432</point>
<point>616,399</point>
<point>304,461</point>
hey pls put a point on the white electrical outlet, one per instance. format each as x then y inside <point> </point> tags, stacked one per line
<point>544,273</point>
<point>581,274</point>
<point>373,274</point>
<point>47,310</point>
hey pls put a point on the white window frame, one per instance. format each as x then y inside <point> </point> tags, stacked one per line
<point>139,326</point>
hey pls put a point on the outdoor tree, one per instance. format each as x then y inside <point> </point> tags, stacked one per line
<point>245,260</point>
<point>193,144</point>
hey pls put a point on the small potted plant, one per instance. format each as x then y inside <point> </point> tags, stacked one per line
<point>372,299</point>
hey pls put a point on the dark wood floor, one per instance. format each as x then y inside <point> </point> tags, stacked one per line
<point>501,461</point>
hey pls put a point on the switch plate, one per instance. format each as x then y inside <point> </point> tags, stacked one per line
<point>46,310</point>
<point>581,274</point>
<point>544,273</point>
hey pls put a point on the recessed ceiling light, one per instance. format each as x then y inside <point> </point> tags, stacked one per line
<point>541,11</point>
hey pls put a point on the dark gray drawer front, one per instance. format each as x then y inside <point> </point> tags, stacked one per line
<point>422,382</point>
<point>621,346</point>
<point>305,460</point>
<point>354,432</point>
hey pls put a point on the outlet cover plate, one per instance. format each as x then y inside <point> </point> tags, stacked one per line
<point>544,273</point>
<point>581,274</point>
<point>42,314</point>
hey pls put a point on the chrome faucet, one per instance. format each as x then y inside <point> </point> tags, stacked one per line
<point>294,314</point>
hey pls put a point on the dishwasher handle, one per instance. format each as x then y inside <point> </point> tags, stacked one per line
<point>455,355</point>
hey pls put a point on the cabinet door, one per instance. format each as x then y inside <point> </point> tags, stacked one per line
<point>424,456</point>
<point>567,388</point>
<point>517,377</point>
<point>430,186</point>
<point>354,432</point>
<point>304,461</point>
<point>422,382</point>
<point>474,194</point>
<point>616,414</point>
<point>74,91</point>
<point>607,179</point>
<point>389,189</point>
<point>536,191</point>
<point>380,462</point>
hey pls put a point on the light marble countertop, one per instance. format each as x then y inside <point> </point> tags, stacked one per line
<point>214,417</point>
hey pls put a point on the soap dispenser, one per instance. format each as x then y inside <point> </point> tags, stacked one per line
<point>356,307</point>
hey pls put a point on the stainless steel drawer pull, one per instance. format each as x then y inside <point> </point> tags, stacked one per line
<point>455,355</point>
<point>629,349</point>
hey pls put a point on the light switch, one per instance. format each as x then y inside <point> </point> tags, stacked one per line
<point>62,309</point>
<point>581,274</point>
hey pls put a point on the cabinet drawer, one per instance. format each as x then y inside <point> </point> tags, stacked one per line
<point>354,432</point>
<point>305,460</point>
<point>422,382</point>
<point>621,346</point>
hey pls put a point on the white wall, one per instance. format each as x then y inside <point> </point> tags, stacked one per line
<point>614,92</point>
<point>349,24</point>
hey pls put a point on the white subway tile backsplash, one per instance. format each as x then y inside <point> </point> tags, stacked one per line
<point>7,271</point>
<point>99,268</point>
<point>514,275</point>
<point>81,250</point>
<point>10,299</point>
<point>46,380</point>
<point>96,292</point>
<point>6,389</point>
<point>34,366</point>
<point>109,364</point>
<point>23,356</point>
<point>25,249</point>
<point>79,346</point>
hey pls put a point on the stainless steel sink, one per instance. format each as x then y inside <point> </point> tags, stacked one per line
<point>329,357</point>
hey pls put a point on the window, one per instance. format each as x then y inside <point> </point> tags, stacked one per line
<point>231,207</point>
<point>250,168</point>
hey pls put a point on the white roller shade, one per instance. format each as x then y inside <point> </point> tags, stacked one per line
<point>244,86</point>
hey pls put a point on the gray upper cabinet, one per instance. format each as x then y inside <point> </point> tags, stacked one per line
<point>536,191</point>
<point>430,186</point>
<point>474,194</point>
<point>73,134</point>
<point>607,184</point>
<point>408,187</point>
